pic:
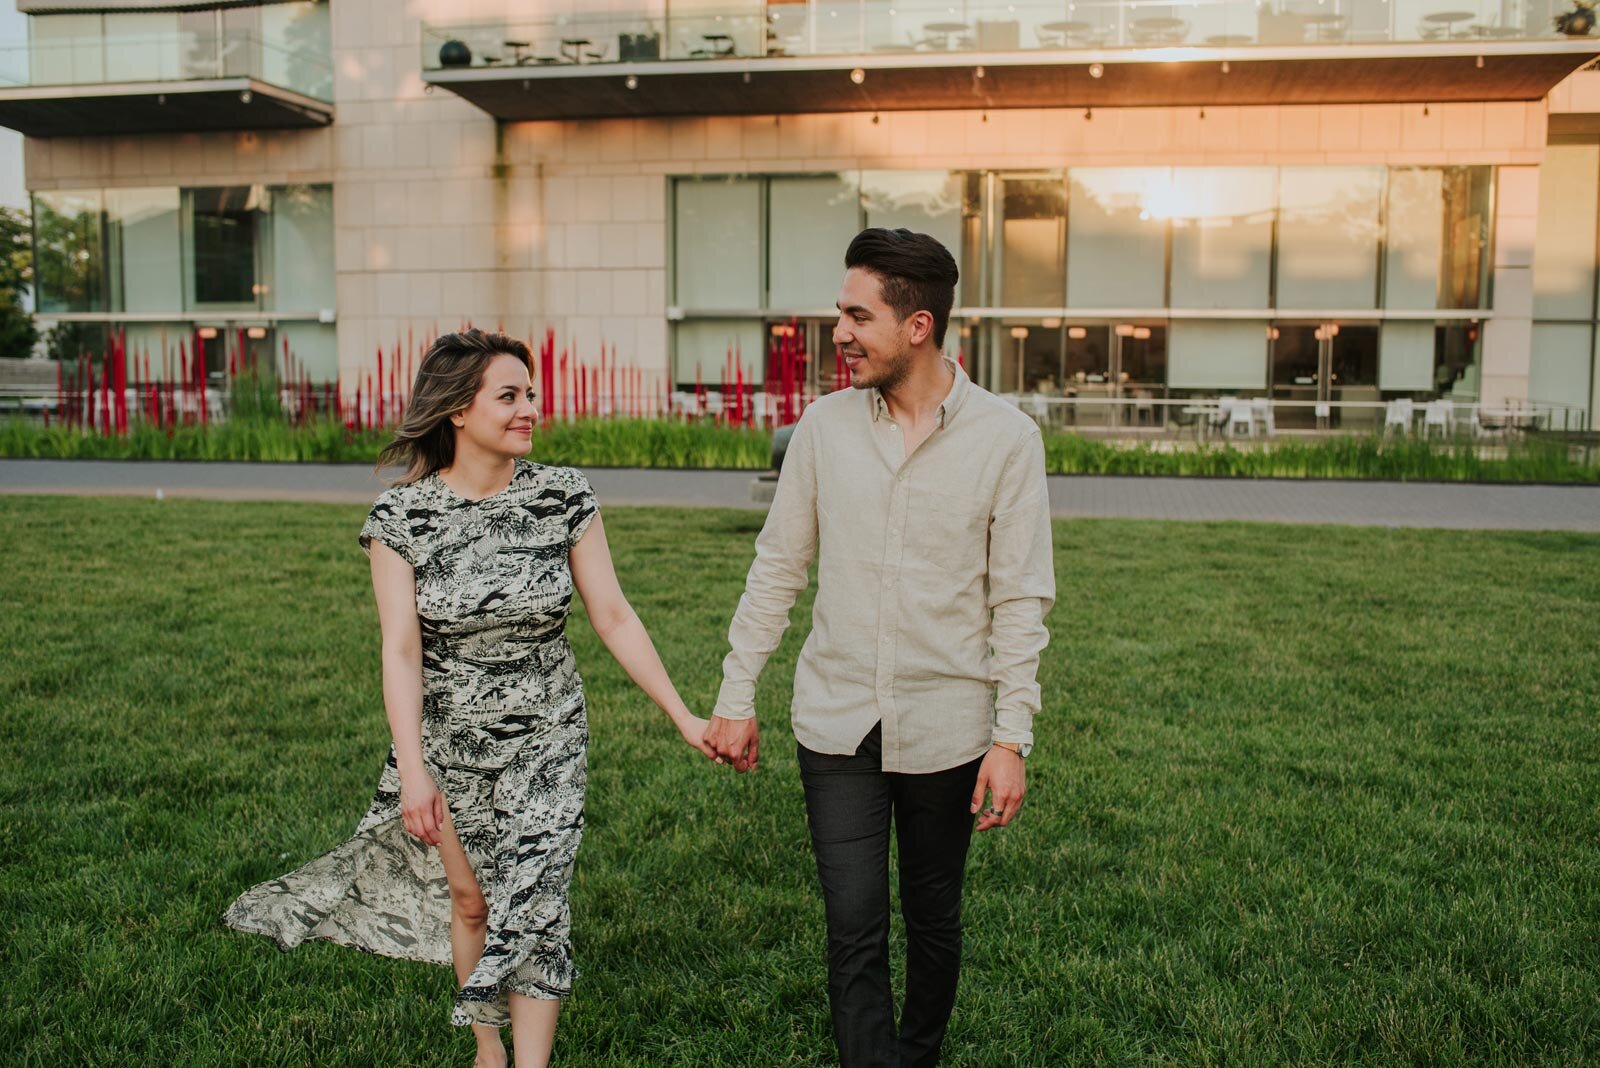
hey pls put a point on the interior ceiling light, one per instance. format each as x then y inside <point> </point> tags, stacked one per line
<point>632,81</point>
<point>858,75</point>
<point>1096,70</point>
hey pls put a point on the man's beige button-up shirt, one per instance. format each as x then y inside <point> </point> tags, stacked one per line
<point>934,575</point>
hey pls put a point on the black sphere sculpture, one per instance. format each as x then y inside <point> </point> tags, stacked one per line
<point>1579,21</point>
<point>455,54</point>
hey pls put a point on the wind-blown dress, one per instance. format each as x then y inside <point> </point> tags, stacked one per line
<point>504,734</point>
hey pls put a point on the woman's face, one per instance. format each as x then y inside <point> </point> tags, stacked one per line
<point>501,416</point>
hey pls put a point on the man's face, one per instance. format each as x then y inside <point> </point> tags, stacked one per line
<point>874,341</point>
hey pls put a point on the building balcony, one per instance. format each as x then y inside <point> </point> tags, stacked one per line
<point>880,55</point>
<point>161,83</point>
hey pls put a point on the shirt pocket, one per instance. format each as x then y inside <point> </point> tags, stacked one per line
<point>947,532</point>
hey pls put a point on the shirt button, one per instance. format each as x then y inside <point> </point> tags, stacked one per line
<point>900,478</point>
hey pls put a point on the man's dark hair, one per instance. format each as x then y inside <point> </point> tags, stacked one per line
<point>916,273</point>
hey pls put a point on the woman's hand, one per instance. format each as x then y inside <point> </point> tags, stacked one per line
<point>693,729</point>
<point>422,808</point>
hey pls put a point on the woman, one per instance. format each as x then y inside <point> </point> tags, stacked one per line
<point>475,554</point>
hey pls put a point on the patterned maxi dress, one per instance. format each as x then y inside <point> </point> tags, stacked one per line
<point>504,734</point>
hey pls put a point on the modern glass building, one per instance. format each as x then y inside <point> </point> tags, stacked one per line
<point>1320,201</point>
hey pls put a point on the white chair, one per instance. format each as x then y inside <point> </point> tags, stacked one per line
<point>1261,411</point>
<point>1439,413</point>
<point>1240,415</point>
<point>1398,413</point>
<point>1219,418</point>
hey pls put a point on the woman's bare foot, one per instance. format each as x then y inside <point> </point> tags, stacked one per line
<point>490,1056</point>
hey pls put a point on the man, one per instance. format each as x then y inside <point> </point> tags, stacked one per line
<point>922,498</point>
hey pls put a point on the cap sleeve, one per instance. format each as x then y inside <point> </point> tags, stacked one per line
<point>582,506</point>
<point>387,523</point>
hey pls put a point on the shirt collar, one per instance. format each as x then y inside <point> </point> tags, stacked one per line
<point>947,408</point>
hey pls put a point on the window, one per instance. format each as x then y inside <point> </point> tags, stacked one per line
<point>223,245</point>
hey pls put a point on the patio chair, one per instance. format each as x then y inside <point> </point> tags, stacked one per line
<point>1398,413</point>
<point>1219,418</point>
<point>1240,415</point>
<point>1261,410</point>
<point>1439,413</point>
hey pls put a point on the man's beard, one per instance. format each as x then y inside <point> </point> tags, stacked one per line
<point>895,371</point>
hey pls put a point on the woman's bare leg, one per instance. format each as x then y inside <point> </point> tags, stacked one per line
<point>469,926</point>
<point>533,1029</point>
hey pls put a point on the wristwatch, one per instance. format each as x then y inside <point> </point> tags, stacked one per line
<point>1017,748</point>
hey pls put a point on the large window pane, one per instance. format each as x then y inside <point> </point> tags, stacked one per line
<point>297,48</point>
<point>1033,242</point>
<point>1558,372</point>
<point>69,264</point>
<point>1414,238</point>
<point>925,202</point>
<point>1217,354</point>
<point>702,347</point>
<point>1328,237</point>
<point>1466,211</point>
<point>813,219</point>
<point>66,49</point>
<point>145,239</point>
<point>1564,247</point>
<point>717,254</point>
<point>141,47</point>
<point>302,248</point>
<point>224,236</point>
<point>1221,236</point>
<point>1406,358</point>
<point>314,346</point>
<point>1117,237</point>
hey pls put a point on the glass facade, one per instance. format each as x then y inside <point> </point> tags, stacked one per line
<point>195,258</point>
<point>230,248</point>
<point>287,44</point>
<point>1301,283</point>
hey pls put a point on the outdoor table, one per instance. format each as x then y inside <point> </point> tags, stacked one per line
<point>944,32</point>
<point>1070,28</point>
<point>1326,26</point>
<point>1202,414</point>
<point>518,50</point>
<point>1448,19</point>
<point>721,44</point>
<point>1163,27</point>
<point>571,48</point>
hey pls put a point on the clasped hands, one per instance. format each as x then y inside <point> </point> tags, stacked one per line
<point>736,742</point>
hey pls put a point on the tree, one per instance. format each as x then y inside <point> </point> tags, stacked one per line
<point>18,332</point>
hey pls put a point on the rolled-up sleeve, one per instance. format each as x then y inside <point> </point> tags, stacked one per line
<point>784,551</point>
<point>1022,587</point>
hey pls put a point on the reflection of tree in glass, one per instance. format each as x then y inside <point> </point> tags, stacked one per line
<point>68,263</point>
<point>305,39</point>
<point>18,333</point>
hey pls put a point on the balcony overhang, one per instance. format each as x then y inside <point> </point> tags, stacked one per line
<point>98,109</point>
<point>1336,74</point>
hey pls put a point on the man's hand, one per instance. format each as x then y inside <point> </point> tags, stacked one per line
<point>1001,776</point>
<point>734,741</point>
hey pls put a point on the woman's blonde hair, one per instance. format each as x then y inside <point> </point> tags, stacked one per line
<point>449,378</point>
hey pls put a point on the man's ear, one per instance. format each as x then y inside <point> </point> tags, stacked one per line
<point>921,325</point>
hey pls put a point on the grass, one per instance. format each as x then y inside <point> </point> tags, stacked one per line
<point>659,443</point>
<point>1301,796</point>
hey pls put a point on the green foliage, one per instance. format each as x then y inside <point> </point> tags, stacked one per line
<point>18,332</point>
<point>1301,796</point>
<point>257,432</point>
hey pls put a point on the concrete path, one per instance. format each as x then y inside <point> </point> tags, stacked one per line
<point>1392,504</point>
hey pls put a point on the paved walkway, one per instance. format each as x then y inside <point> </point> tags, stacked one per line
<point>1392,504</point>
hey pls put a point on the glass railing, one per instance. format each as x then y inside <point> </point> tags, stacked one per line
<point>163,58</point>
<point>875,27</point>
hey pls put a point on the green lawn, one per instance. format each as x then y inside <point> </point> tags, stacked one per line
<point>1301,795</point>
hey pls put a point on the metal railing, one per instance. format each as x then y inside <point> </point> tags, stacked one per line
<point>165,57</point>
<point>885,27</point>
<point>1205,416</point>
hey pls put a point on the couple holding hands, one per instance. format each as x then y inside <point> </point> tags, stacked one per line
<point>920,497</point>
